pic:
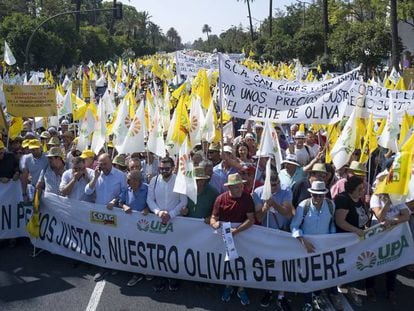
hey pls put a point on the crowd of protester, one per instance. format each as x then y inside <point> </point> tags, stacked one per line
<point>309,196</point>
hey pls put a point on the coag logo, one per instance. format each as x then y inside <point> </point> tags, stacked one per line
<point>154,226</point>
<point>103,219</point>
<point>143,225</point>
<point>366,260</point>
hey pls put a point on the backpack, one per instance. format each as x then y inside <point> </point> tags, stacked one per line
<point>307,207</point>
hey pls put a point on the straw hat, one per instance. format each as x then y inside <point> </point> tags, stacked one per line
<point>119,160</point>
<point>357,168</point>
<point>319,168</point>
<point>45,135</point>
<point>54,141</point>
<point>318,187</point>
<point>55,152</point>
<point>234,179</point>
<point>200,173</point>
<point>214,147</point>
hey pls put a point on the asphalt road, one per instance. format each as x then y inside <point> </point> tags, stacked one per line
<point>52,282</point>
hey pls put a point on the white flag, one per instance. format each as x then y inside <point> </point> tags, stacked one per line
<point>66,106</point>
<point>389,136</point>
<point>85,130</point>
<point>134,140</point>
<point>267,189</point>
<point>120,128</point>
<point>196,120</point>
<point>185,182</point>
<point>99,133</point>
<point>228,130</point>
<point>208,131</point>
<point>8,55</point>
<point>170,144</point>
<point>155,142</point>
<point>345,145</point>
<point>269,145</point>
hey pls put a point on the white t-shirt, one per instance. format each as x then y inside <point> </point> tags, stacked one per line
<point>303,156</point>
<point>394,210</point>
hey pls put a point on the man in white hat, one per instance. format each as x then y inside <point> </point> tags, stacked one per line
<point>292,172</point>
<point>235,206</point>
<point>314,216</point>
<point>302,152</point>
<point>318,172</point>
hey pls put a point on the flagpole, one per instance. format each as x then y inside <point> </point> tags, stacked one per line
<point>221,104</point>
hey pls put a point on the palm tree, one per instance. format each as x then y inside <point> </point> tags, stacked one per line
<point>250,18</point>
<point>206,29</point>
<point>270,17</point>
<point>394,35</point>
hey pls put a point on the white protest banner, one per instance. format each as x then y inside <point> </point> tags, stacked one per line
<point>13,215</point>
<point>268,259</point>
<point>296,87</point>
<point>375,99</point>
<point>188,64</point>
<point>245,98</point>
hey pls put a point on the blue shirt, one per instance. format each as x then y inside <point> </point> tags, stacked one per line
<point>274,219</point>
<point>315,222</point>
<point>289,181</point>
<point>108,187</point>
<point>219,177</point>
<point>135,200</point>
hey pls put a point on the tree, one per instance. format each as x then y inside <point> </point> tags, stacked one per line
<point>173,40</point>
<point>206,29</point>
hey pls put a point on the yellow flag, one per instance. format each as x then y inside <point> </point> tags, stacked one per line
<point>381,126</point>
<point>399,175</point>
<point>33,226</point>
<point>319,69</point>
<point>360,132</point>
<point>370,141</point>
<point>119,71</point>
<point>203,89</point>
<point>79,107</point>
<point>388,84</point>
<point>331,138</point>
<point>179,91</point>
<point>182,124</point>
<point>157,70</point>
<point>16,126</point>
<point>302,128</point>
<point>400,85</point>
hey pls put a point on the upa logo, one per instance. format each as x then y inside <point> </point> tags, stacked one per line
<point>366,260</point>
<point>143,225</point>
<point>391,251</point>
<point>154,226</point>
<point>103,219</point>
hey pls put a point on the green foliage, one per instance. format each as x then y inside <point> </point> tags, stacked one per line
<point>57,43</point>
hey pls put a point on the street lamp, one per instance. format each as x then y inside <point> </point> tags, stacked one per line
<point>303,4</point>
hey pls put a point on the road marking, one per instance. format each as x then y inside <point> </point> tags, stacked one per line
<point>96,296</point>
<point>405,281</point>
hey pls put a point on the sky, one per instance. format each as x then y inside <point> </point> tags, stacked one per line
<point>189,16</point>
